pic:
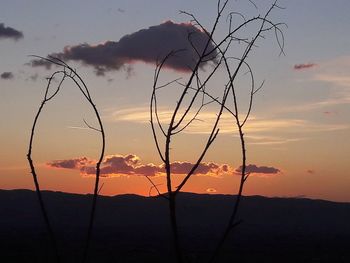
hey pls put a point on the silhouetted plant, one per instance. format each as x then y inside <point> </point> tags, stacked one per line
<point>66,72</point>
<point>194,98</point>
<point>194,89</point>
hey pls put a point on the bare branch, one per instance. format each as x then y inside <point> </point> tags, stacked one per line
<point>34,174</point>
<point>167,84</point>
<point>74,76</point>
<point>195,94</point>
<point>91,127</point>
<point>99,190</point>
<point>155,186</point>
<point>256,7</point>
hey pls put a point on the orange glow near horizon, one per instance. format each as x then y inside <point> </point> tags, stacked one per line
<point>72,182</point>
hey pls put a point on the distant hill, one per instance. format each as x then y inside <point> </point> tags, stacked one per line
<point>132,228</point>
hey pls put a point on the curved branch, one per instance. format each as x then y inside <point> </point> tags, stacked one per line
<point>75,77</point>
<point>32,166</point>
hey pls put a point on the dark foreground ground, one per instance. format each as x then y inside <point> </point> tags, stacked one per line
<point>131,228</point>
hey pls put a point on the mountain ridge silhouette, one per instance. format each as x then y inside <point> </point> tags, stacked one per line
<point>132,228</point>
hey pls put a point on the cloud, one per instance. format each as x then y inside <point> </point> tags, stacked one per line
<point>210,168</point>
<point>9,32</point>
<point>147,45</point>
<point>211,190</point>
<point>40,63</point>
<point>131,165</point>
<point>118,164</point>
<point>330,113</point>
<point>77,163</point>
<point>270,140</point>
<point>7,75</point>
<point>34,77</point>
<point>253,169</point>
<point>253,127</point>
<point>339,99</point>
<point>335,79</point>
<point>304,66</point>
<point>335,74</point>
<point>125,165</point>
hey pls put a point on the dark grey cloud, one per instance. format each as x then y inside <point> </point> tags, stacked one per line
<point>253,169</point>
<point>9,32</point>
<point>147,45</point>
<point>7,75</point>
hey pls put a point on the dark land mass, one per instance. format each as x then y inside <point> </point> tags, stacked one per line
<point>132,228</point>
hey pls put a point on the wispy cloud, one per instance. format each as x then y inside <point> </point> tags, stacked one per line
<point>227,125</point>
<point>270,140</point>
<point>9,32</point>
<point>334,73</point>
<point>78,128</point>
<point>304,66</point>
<point>338,80</point>
<point>34,77</point>
<point>319,105</point>
<point>204,126</point>
<point>148,45</point>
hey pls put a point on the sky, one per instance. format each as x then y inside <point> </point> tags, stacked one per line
<point>297,135</point>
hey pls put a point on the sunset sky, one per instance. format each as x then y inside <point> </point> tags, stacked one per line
<point>297,135</point>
